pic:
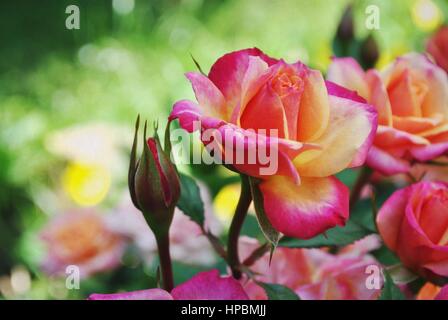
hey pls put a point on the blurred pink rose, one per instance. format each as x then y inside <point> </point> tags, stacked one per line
<point>321,130</point>
<point>207,285</point>
<point>411,97</point>
<point>414,224</point>
<point>315,274</point>
<point>81,238</point>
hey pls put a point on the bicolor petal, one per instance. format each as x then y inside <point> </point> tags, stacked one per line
<point>210,99</point>
<point>345,142</point>
<point>305,210</point>
<point>210,285</point>
<point>385,163</point>
<point>348,73</point>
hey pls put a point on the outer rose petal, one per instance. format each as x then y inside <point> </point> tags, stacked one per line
<point>188,113</point>
<point>348,73</point>
<point>305,210</point>
<point>210,286</point>
<point>245,150</point>
<point>346,141</point>
<point>390,217</point>
<point>443,294</point>
<point>429,152</point>
<point>227,73</point>
<point>342,92</point>
<point>385,163</point>
<point>209,97</point>
<point>150,294</point>
<point>379,98</point>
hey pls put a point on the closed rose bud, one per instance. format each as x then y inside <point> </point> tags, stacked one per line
<point>153,183</point>
<point>346,28</point>
<point>369,52</point>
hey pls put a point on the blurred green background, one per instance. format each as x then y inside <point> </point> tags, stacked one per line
<point>69,98</point>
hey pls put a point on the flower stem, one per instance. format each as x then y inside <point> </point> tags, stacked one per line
<point>362,179</point>
<point>163,246</point>
<point>235,227</point>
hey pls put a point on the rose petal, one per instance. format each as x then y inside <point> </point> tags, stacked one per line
<point>348,73</point>
<point>210,99</point>
<point>346,141</point>
<point>391,215</point>
<point>305,210</point>
<point>443,294</point>
<point>149,294</point>
<point>314,111</point>
<point>265,111</point>
<point>385,163</point>
<point>227,73</point>
<point>379,98</point>
<point>210,285</point>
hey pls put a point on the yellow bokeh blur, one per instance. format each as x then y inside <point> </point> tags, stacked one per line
<point>225,202</point>
<point>426,15</point>
<point>86,184</point>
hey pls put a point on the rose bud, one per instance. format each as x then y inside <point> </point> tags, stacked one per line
<point>153,183</point>
<point>414,224</point>
<point>437,47</point>
<point>369,52</point>
<point>346,28</point>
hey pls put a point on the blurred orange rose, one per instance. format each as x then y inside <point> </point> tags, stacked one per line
<point>411,97</point>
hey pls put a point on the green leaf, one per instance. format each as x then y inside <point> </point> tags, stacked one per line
<point>385,256</point>
<point>190,201</point>
<point>338,236</point>
<point>390,290</point>
<point>268,230</point>
<point>362,214</point>
<point>278,292</point>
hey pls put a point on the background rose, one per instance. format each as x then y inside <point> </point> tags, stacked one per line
<point>414,224</point>
<point>438,47</point>
<point>315,274</point>
<point>411,97</point>
<point>81,238</point>
<point>321,131</point>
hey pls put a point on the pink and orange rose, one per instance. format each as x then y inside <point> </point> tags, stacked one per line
<point>411,97</point>
<point>315,274</point>
<point>81,238</point>
<point>414,224</point>
<point>321,129</point>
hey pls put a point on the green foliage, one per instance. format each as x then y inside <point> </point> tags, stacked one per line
<point>338,236</point>
<point>278,292</point>
<point>190,201</point>
<point>390,291</point>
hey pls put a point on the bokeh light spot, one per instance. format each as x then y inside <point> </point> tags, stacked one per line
<point>426,15</point>
<point>225,202</point>
<point>86,184</point>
